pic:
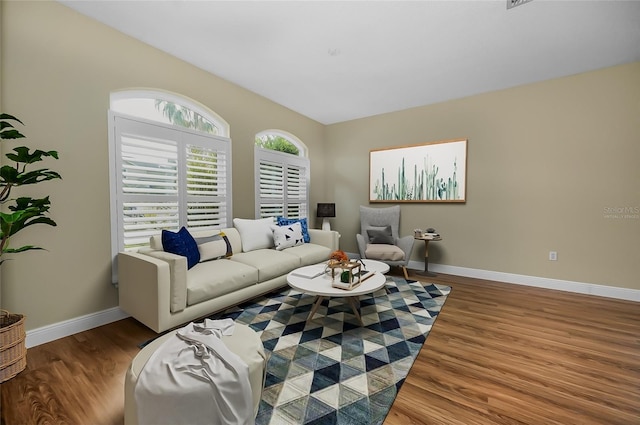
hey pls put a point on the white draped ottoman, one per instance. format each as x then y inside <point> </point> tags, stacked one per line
<point>244,342</point>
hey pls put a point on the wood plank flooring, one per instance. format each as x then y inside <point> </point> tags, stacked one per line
<point>497,354</point>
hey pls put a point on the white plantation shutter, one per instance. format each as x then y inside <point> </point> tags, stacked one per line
<point>296,185</point>
<point>282,181</point>
<point>166,177</point>
<point>271,190</point>
<point>207,187</point>
<point>148,188</point>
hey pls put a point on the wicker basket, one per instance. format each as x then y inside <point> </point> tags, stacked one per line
<point>13,353</point>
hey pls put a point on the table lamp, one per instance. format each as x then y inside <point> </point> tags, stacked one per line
<point>326,211</point>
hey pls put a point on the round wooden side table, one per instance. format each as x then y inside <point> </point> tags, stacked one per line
<point>427,239</point>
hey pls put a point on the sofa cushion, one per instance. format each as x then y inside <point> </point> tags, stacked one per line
<point>181,243</point>
<point>255,234</point>
<point>269,262</point>
<point>215,278</point>
<point>287,235</point>
<point>214,246</point>
<point>309,253</point>
<point>303,223</point>
<point>155,243</point>
<point>234,239</point>
<point>376,251</point>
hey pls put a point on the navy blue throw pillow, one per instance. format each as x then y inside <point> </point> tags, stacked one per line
<point>283,221</point>
<point>181,243</point>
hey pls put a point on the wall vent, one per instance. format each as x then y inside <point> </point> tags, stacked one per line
<point>513,3</point>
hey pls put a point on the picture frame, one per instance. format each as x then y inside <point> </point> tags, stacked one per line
<point>427,172</point>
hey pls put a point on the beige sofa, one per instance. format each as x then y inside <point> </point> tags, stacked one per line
<point>156,288</point>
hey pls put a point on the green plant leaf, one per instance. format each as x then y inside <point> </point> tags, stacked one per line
<point>5,124</point>
<point>10,176</point>
<point>21,249</point>
<point>4,116</point>
<point>11,134</point>
<point>36,176</point>
<point>25,212</point>
<point>25,157</point>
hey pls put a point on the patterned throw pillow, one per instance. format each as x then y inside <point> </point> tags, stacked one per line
<point>282,221</point>
<point>181,243</point>
<point>214,247</point>
<point>287,236</point>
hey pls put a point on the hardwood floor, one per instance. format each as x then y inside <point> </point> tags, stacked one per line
<point>497,354</point>
<point>508,354</point>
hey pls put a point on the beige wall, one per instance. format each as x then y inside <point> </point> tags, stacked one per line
<point>544,161</point>
<point>58,69</point>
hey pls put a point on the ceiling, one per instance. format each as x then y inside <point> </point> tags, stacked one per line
<point>335,61</point>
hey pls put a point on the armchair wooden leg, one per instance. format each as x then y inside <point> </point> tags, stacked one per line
<point>406,275</point>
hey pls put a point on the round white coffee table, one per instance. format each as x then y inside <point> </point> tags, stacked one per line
<point>375,266</point>
<point>320,286</point>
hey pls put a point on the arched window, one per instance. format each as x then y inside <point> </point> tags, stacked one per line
<point>170,167</point>
<point>282,172</point>
<point>168,108</point>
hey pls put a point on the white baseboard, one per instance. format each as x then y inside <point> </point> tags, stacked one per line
<point>539,282</point>
<point>73,326</point>
<point>90,321</point>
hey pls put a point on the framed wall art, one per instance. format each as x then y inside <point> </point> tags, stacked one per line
<point>428,172</point>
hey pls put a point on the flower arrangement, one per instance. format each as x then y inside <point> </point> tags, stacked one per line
<point>338,256</point>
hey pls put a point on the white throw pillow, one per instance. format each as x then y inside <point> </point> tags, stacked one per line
<point>255,234</point>
<point>287,236</point>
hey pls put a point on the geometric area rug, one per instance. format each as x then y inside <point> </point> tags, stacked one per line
<point>333,370</point>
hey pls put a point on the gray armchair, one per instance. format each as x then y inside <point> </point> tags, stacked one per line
<point>379,240</point>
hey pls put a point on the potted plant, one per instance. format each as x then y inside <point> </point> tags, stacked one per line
<point>16,215</point>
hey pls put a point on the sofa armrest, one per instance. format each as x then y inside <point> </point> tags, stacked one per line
<point>328,238</point>
<point>145,287</point>
<point>406,243</point>
<point>177,277</point>
<point>362,245</point>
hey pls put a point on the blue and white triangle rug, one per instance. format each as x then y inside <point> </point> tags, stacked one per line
<point>332,370</point>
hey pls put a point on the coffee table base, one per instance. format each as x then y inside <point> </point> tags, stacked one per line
<point>319,299</point>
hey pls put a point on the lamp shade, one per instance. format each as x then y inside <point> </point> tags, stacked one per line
<point>326,210</point>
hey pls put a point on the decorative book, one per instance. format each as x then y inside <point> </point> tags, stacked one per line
<point>310,272</point>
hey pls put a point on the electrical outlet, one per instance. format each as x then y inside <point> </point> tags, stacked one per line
<point>553,256</point>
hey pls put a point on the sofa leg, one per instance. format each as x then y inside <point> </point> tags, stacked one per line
<point>406,275</point>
